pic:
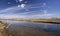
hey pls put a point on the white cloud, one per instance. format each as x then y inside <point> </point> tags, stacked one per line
<point>6,16</point>
<point>39,5</point>
<point>9,3</point>
<point>27,15</point>
<point>44,4</point>
<point>11,9</point>
<point>23,5</point>
<point>25,2</point>
<point>30,14</point>
<point>20,0</point>
<point>33,14</point>
<point>19,6</point>
<point>14,9</point>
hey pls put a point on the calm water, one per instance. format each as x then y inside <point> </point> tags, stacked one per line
<point>46,27</point>
<point>38,26</point>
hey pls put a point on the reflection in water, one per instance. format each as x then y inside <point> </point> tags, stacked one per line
<point>19,28</point>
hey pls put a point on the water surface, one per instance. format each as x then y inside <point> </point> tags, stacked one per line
<point>17,26</point>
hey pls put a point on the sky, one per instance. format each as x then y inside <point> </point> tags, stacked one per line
<point>29,8</point>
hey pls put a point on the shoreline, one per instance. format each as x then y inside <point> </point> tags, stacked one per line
<point>47,22</point>
<point>41,21</point>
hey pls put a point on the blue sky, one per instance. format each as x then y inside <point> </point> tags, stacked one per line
<point>29,8</point>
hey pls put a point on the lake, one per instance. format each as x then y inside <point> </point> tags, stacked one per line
<point>23,28</point>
